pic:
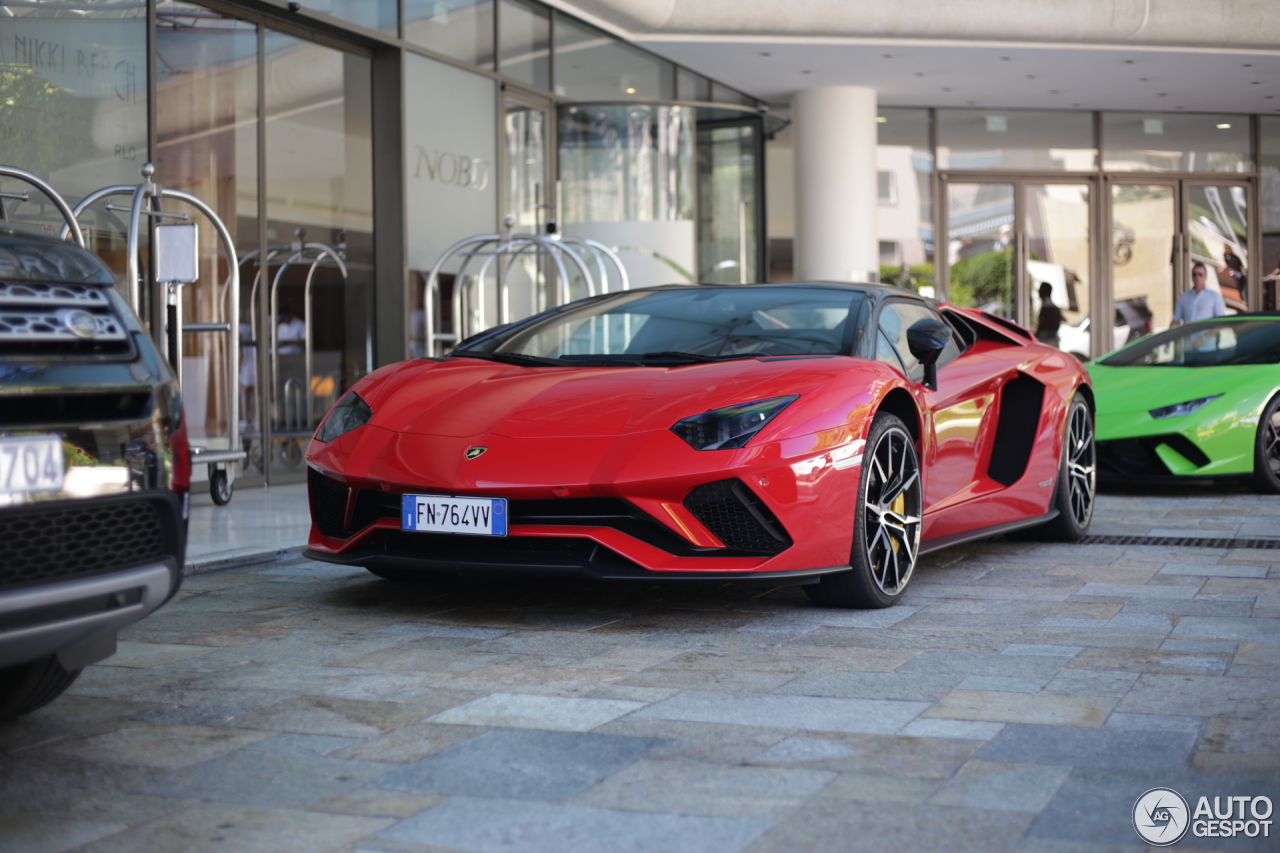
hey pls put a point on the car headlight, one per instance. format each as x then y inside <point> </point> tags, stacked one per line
<point>732,426</point>
<point>1182,408</point>
<point>349,413</point>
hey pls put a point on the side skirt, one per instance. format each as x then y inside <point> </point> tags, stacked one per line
<point>983,532</point>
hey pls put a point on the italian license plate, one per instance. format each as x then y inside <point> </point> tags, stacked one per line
<point>31,463</point>
<point>448,514</point>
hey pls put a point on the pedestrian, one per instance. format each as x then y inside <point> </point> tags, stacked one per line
<point>1049,320</point>
<point>1198,303</point>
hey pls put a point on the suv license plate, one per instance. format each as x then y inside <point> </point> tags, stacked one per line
<point>447,514</point>
<point>31,463</point>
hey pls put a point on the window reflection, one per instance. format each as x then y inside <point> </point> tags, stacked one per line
<point>980,247</point>
<point>594,66</point>
<point>1269,157</point>
<point>462,29</point>
<point>79,126</point>
<point>904,225</point>
<point>207,145</point>
<point>320,227</point>
<point>1176,142</point>
<point>1143,219</point>
<point>524,43</point>
<point>1057,227</point>
<point>1016,139</point>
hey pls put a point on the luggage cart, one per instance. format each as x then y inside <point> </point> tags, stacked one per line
<point>298,410</point>
<point>145,201</point>
<point>469,293</point>
<point>70,225</point>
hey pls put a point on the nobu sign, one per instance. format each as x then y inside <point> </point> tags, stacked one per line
<point>449,168</point>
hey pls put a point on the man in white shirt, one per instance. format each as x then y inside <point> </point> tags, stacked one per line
<point>1199,303</point>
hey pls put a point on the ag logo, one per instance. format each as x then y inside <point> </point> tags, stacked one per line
<point>473,452</point>
<point>1160,816</point>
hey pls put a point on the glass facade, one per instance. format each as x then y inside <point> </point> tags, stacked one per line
<point>1176,142</point>
<point>1015,139</point>
<point>1111,210</point>
<point>1269,192</point>
<point>594,66</point>
<point>904,164</point>
<point>627,180</point>
<point>524,43</point>
<point>460,29</point>
<point>73,101</point>
<point>207,145</point>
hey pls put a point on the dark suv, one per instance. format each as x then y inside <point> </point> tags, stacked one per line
<point>94,468</point>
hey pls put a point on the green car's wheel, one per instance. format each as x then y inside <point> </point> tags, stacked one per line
<point>886,528</point>
<point>1266,453</point>
<point>1077,479</point>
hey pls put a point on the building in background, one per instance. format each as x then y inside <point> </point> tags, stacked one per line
<point>977,150</point>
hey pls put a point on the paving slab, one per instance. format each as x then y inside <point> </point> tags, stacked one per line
<point>521,764</point>
<point>537,712</point>
<point>497,826</point>
<point>867,716</point>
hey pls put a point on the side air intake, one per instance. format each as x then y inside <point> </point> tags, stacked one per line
<point>1021,401</point>
<point>737,517</point>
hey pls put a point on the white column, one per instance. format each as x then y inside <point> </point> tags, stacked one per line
<point>835,183</point>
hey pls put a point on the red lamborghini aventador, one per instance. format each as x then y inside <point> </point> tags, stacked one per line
<point>822,434</point>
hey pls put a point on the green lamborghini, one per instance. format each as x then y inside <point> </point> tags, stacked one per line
<point>1199,400</point>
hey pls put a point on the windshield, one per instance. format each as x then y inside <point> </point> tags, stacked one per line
<point>686,323</point>
<point>1206,344</point>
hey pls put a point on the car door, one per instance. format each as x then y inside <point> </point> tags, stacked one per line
<point>959,413</point>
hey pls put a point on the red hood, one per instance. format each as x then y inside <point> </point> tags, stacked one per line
<point>469,397</point>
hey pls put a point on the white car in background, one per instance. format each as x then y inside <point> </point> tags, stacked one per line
<point>1133,321</point>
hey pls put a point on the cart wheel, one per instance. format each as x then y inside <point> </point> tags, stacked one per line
<point>220,486</point>
<point>255,455</point>
<point>291,453</point>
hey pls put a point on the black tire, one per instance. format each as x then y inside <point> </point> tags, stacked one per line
<point>1076,489</point>
<point>29,686</point>
<point>1266,450</point>
<point>220,486</point>
<point>886,526</point>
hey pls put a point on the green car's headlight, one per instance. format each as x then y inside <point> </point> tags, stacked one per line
<point>1182,408</point>
<point>349,413</point>
<point>732,426</point>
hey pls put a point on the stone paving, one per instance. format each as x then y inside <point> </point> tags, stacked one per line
<point>1021,698</point>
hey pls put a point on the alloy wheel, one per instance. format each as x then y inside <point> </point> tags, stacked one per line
<point>891,530</point>
<point>1082,468</point>
<point>1271,442</point>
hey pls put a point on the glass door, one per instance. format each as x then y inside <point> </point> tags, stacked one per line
<point>980,248</point>
<point>1057,220</point>
<point>729,200</point>
<point>1160,233</point>
<point>1144,244</point>
<point>529,197</point>
<point>312,327</point>
<point>1021,249</point>
<point>1216,229</point>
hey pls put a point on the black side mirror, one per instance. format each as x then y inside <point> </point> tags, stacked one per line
<point>927,339</point>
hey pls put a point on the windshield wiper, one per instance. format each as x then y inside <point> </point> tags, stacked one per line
<point>695,357</point>
<point>512,358</point>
